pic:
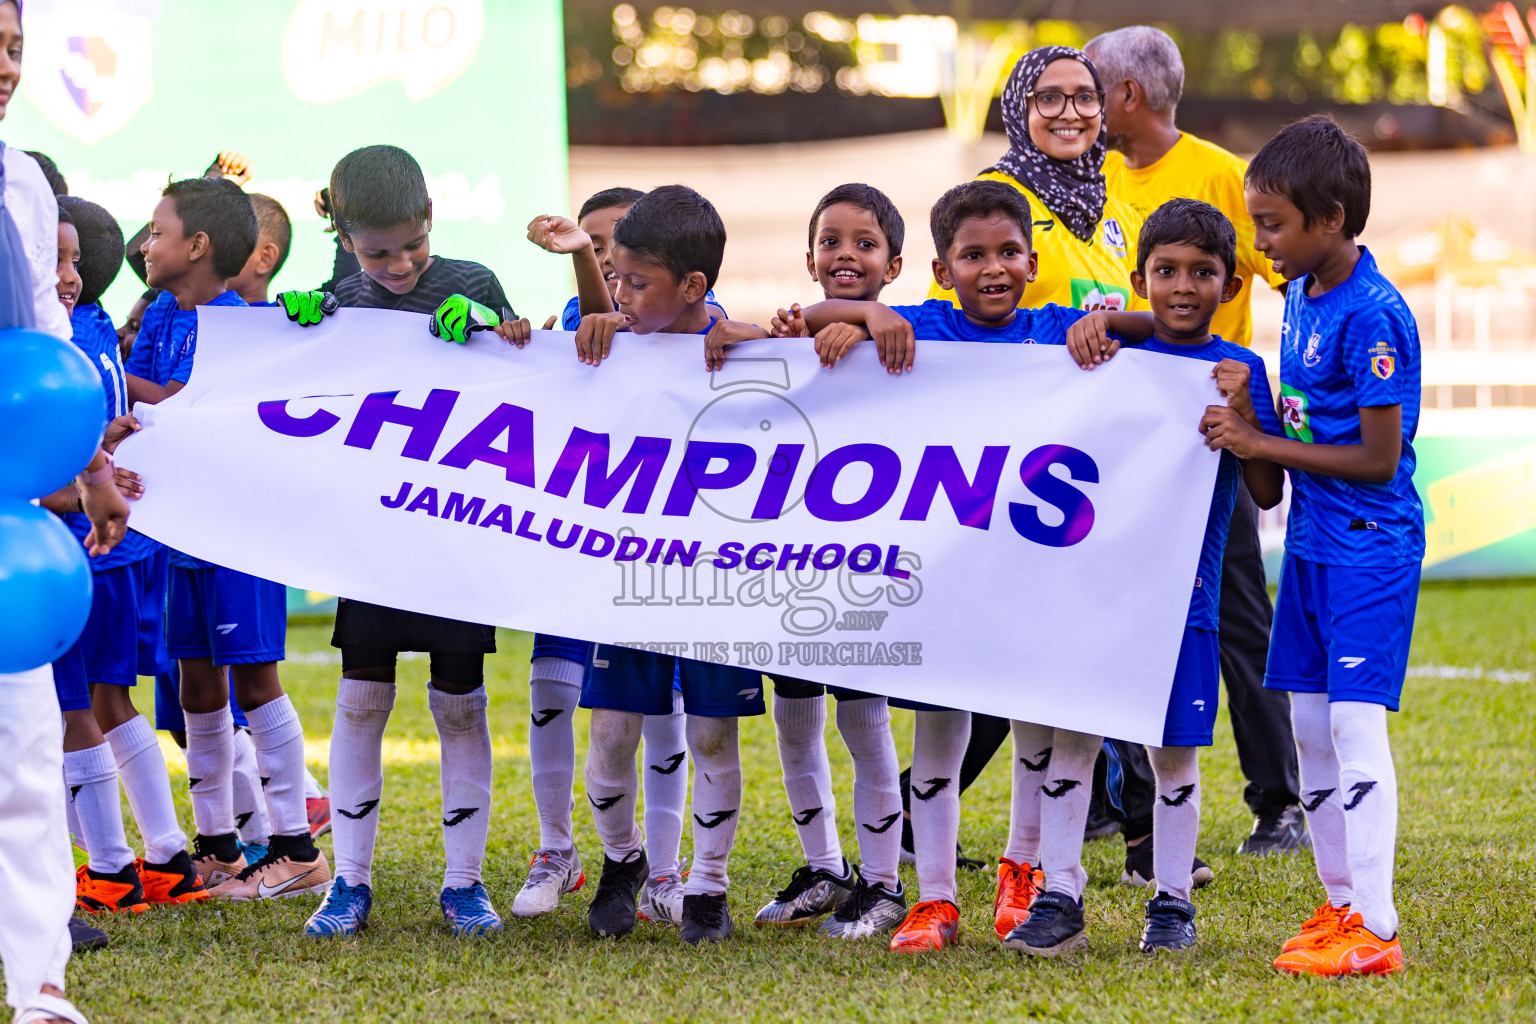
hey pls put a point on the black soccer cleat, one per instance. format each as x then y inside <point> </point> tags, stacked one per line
<point>82,937</point>
<point>1054,926</point>
<point>612,910</point>
<point>706,918</point>
<point>1282,831</point>
<point>1170,924</point>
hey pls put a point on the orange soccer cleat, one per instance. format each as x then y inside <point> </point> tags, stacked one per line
<point>175,881</point>
<point>102,893</point>
<point>1348,948</point>
<point>930,925</point>
<point>1017,887</point>
<point>1327,918</point>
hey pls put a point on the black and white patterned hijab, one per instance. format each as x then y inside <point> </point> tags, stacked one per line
<point>1071,189</point>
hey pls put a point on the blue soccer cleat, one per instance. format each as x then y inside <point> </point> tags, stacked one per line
<point>343,911</point>
<point>468,910</point>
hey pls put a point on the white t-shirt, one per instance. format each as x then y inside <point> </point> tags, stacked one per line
<point>36,213</point>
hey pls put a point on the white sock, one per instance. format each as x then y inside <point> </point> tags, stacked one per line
<point>141,766</point>
<point>554,686</point>
<point>1031,759</point>
<point>464,736</point>
<point>865,726</point>
<point>1175,817</point>
<point>251,820</point>
<point>1368,786</point>
<point>357,774</point>
<point>71,818</point>
<point>716,801</point>
<point>1320,798</point>
<point>611,781</point>
<point>279,741</point>
<point>665,757</point>
<point>92,777</point>
<point>938,747</point>
<point>800,724</point>
<point>1064,810</point>
<point>312,788</point>
<point>210,766</point>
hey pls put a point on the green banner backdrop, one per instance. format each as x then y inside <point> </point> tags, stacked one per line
<point>125,94</point>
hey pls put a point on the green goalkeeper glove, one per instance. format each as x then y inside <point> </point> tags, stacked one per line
<point>307,308</point>
<point>460,316</point>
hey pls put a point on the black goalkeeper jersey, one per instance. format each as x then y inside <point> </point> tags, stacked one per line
<point>444,277</point>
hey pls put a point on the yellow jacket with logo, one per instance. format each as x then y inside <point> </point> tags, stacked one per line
<point>1095,274</point>
<point>1197,169</point>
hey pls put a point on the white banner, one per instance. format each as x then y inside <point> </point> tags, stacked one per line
<point>998,530</point>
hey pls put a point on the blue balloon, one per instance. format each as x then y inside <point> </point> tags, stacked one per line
<point>52,409</point>
<point>45,586</point>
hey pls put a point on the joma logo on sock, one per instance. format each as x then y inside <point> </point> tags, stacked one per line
<point>1359,789</point>
<point>885,824</point>
<point>1181,796</point>
<point>1040,765</point>
<point>935,787</point>
<point>1063,787</point>
<point>806,818</point>
<point>716,819</point>
<point>671,763</point>
<point>544,717</point>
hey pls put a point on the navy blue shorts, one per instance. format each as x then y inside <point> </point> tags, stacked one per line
<point>168,713</point>
<point>1191,718</point>
<point>1343,630</point>
<point>229,616</point>
<point>124,637</point>
<point>546,645</point>
<point>625,679</point>
<point>788,686</point>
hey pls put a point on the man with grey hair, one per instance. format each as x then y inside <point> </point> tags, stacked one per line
<point>1151,162</point>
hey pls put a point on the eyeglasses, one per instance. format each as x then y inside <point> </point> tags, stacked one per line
<point>1088,103</point>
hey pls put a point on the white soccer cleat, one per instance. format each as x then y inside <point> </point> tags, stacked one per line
<point>553,874</point>
<point>661,899</point>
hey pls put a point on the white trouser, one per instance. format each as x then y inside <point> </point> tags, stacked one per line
<point>37,880</point>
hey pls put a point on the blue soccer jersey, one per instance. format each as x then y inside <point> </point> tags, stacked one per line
<point>1205,602</point>
<point>95,335</point>
<point>164,351</point>
<point>1355,346</point>
<point>937,320</point>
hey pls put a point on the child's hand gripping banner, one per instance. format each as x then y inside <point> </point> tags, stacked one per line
<point>997,531</point>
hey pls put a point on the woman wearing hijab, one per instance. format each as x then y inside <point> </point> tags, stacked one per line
<point>1053,107</point>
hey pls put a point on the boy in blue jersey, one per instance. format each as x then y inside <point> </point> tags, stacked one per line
<point>854,245</point>
<point>274,236</point>
<point>104,735</point>
<point>1349,392</point>
<point>379,203</point>
<point>982,232</point>
<point>1186,267</point>
<point>221,621</point>
<point>667,252</point>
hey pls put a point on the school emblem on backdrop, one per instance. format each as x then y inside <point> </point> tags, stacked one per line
<point>1114,237</point>
<point>336,49</point>
<point>89,64</point>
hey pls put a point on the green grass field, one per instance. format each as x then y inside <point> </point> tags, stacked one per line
<point>1466,889</point>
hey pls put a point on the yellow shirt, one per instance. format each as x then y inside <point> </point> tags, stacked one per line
<point>1095,274</point>
<point>1197,169</point>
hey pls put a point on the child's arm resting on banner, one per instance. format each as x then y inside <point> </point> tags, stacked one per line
<point>1095,338</point>
<point>724,333</point>
<point>891,332</point>
<point>594,336</point>
<point>1373,460</point>
<point>141,390</point>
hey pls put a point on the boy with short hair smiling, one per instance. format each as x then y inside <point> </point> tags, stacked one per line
<point>982,232</point>
<point>853,251</point>
<point>383,214</point>
<point>1186,268</point>
<point>201,235</point>
<point>667,253</point>
<point>1350,377</point>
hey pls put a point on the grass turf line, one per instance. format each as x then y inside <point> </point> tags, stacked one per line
<point>1466,865</point>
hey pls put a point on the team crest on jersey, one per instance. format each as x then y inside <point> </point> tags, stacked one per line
<point>1114,237</point>
<point>1310,356</point>
<point>1383,366</point>
<point>88,65</point>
